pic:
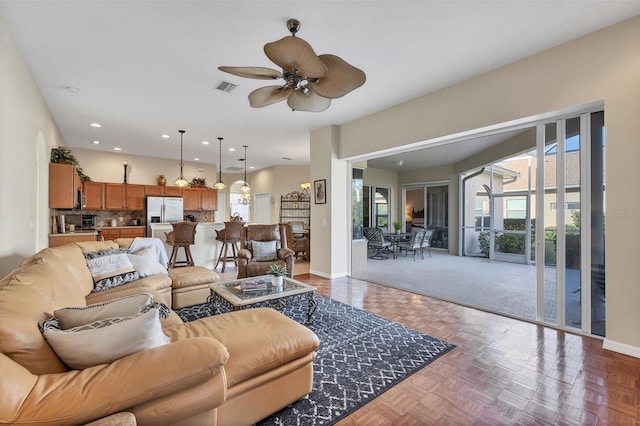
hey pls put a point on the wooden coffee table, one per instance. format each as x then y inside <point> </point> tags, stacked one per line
<point>228,296</point>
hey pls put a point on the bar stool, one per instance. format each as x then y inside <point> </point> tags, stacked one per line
<point>229,236</point>
<point>183,235</point>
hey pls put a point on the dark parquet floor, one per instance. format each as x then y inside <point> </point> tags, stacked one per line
<point>503,371</point>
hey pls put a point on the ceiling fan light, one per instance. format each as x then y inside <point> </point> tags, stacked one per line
<point>309,101</point>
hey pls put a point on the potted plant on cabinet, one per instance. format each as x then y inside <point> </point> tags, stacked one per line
<point>278,272</point>
<point>61,154</point>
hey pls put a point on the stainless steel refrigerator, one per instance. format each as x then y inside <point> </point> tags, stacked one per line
<point>163,210</point>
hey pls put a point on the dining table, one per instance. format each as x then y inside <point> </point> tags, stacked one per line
<point>395,238</point>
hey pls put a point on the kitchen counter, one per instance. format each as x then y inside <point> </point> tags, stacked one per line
<point>205,249</point>
<point>120,227</point>
<point>71,237</point>
<point>66,234</point>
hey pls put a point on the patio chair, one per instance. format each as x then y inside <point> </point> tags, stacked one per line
<point>414,244</point>
<point>426,242</point>
<point>376,241</point>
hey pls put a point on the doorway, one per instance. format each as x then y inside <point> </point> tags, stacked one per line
<point>427,206</point>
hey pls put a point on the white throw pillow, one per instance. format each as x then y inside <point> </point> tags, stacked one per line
<point>145,262</point>
<point>106,340</point>
<point>122,307</point>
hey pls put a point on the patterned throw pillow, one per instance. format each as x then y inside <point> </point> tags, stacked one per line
<point>106,340</point>
<point>120,307</point>
<point>110,268</point>
<point>264,251</point>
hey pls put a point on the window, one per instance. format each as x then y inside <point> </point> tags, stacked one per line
<point>567,206</point>
<point>516,208</point>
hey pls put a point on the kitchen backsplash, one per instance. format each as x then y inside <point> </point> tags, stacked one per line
<point>125,218</point>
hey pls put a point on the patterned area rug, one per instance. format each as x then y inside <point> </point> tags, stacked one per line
<point>361,355</point>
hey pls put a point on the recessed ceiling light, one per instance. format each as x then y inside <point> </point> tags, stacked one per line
<point>165,136</point>
<point>95,142</point>
<point>205,142</point>
<point>196,159</point>
<point>117,148</point>
<point>95,125</point>
<point>232,149</point>
<point>251,167</point>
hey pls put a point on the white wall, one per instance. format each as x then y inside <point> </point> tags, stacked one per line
<point>25,123</point>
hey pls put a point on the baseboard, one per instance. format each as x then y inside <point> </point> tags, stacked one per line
<point>622,348</point>
<point>328,276</point>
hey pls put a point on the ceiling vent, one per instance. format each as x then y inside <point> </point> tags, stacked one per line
<point>234,169</point>
<point>225,86</point>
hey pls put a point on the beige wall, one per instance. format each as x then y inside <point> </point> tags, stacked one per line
<point>27,134</point>
<point>600,67</point>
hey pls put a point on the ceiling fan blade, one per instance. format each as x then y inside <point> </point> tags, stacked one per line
<point>260,73</point>
<point>341,78</point>
<point>293,52</point>
<point>309,101</point>
<point>268,95</point>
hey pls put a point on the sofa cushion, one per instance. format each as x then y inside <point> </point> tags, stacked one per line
<point>120,307</point>
<point>258,340</point>
<point>264,251</point>
<point>145,262</point>
<point>188,276</point>
<point>105,340</point>
<point>110,268</point>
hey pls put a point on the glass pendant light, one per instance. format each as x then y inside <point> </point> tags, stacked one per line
<point>245,188</point>
<point>220,184</point>
<point>180,181</point>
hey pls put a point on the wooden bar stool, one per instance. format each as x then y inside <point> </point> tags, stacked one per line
<point>183,235</point>
<point>230,237</point>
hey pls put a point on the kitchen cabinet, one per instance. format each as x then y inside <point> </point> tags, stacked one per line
<point>172,191</point>
<point>191,199</point>
<point>93,195</point>
<point>134,197</point>
<point>153,190</point>
<point>124,196</point>
<point>208,199</point>
<point>122,232</point>
<point>200,199</point>
<point>62,239</point>
<point>114,196</point>
<point>64,186</point>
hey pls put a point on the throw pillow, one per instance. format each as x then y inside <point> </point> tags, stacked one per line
<point>145,262</point>
<point>110,268</point>
<point>105,340</point>
<point>264,251</point>
<point>121,307</point>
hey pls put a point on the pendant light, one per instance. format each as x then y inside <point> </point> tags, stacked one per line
<point>245,188</point>
<point>180,181</point>
<point>220,184</point>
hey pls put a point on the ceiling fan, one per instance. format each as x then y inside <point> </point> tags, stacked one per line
<point>310,81</point>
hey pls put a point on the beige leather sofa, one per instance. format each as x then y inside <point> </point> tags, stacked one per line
<point>233,368</point>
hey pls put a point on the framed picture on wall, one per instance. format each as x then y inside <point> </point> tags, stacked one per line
<point>320,191</point>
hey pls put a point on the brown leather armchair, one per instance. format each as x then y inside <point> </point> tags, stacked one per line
<point>299,245</point>
<point>250,265</point>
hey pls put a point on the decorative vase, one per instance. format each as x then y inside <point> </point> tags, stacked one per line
<point>397,231</point>
<point>162,181</point>
<point>277,282</point>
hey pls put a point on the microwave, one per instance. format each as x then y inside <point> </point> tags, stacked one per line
<point>81,221</point>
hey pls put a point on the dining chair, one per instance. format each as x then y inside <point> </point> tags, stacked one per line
<point>376,241</point>
<point>414,244</point>
<point>426,242</point>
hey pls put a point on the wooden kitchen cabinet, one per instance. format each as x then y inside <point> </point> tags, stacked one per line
<point>134,197</point>
<point>93,195</point>
<point>172,191</point>
<point>122,232</point>
<point>153,191</point>
<point>208,199</point>
<point>191,199</point>
<point>64,186</point>
<point>114,196</point>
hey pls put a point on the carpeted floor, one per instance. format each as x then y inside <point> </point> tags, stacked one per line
<point>361,355</point>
